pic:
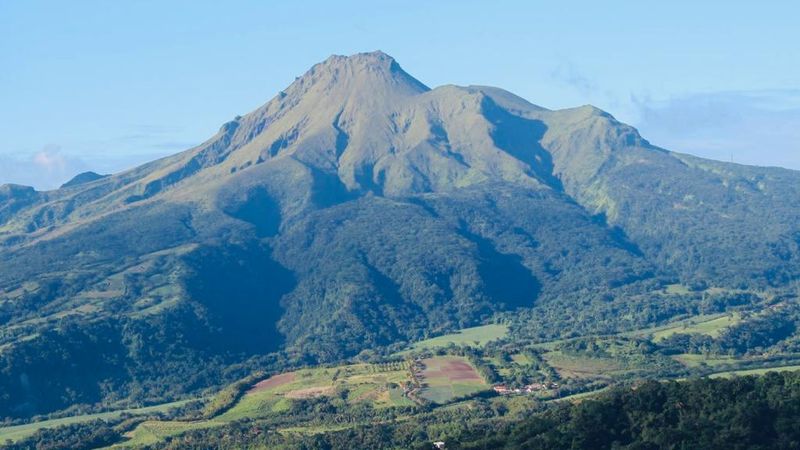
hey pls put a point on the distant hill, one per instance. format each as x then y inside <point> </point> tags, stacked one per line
<point>357,210</point>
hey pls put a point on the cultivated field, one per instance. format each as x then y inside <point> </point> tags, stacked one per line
<point>376,384</point>
<point>446,378</point>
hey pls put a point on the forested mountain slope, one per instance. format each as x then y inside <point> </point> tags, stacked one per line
<point>355,210</point>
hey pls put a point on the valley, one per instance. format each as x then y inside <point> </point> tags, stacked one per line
<point>484,364</point>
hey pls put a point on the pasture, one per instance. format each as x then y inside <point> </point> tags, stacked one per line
<point>693,361</point>
<point>376,384</point>
<point>475,337</point>
<point>712,327</point>
<point>759,371</point>
<point>571,366</point>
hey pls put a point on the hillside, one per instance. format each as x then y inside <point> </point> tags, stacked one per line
<point>359,210</point>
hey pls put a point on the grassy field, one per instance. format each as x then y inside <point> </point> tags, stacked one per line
<point>373,383</point>
<point>704,322</point>
<point>580,396</point>
<point>680,289</point>
<point>446,378</point>
<point>476,336</point>
<point>712,327</point>
<point>677,289</point>
<point>17,432</point>
<point>570,366</point>
<point>153,431</point>
<point>692,361</point>
<point>521,359</point>
<point>760,371</point>
<point>377,384</point>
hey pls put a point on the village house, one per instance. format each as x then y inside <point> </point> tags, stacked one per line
<point>502,389</point>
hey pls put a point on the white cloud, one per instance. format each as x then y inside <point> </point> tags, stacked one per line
<point>50,160</point>
<point>51,166</point>
<point>45,169</point>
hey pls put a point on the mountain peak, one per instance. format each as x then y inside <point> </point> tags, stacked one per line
<point>376,59</point>
<point>361,71</point>
<point>375,62</point>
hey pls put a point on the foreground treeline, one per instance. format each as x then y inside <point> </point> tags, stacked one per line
<point>740,413</point>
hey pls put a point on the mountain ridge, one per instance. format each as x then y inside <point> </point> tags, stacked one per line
<point>359,209</point>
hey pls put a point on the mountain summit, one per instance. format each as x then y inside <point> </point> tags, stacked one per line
<point>357,210</point>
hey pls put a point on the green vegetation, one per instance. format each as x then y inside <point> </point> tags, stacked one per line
<point>693,360</point>
<point>153,432</point>
<point>318,248</point>
<point>324,401</point>
<point>477,336</point>
<point>758,412</point>
<point>712,327</point>
<point>229,396</point>
<point>281,399</point>
<point>570,366</point>
<point>17,432</point>
<point>746,372</point>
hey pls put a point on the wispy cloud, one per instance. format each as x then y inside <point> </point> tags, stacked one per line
<point>587,89</point>
<point>750,127</point>
<point>568,73</point>
<point>758,127</point>
<point>45,169</point>
<point>50,166</point>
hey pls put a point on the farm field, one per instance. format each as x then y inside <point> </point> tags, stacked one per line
<point>570,366</point>
<point>475,336</point>
<point>17,432</point>
<point>377,384</point>
<point>446,381</point>
<point>446,378</point>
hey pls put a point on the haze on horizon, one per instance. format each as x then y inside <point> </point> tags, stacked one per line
<point>163,78</point>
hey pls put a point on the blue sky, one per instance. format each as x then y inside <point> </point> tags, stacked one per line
<point>105,85</point>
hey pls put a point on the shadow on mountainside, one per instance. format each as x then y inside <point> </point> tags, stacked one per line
<point>241,289</point>
<point>504,276</point>
<point>520,138</point>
